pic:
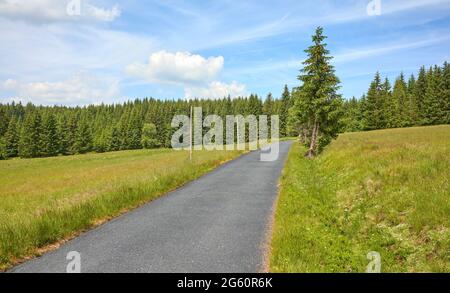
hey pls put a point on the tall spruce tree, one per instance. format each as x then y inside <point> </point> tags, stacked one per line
<point>30,136</point>
<point>413,105</point>
<point>375,105</point>
<point>63,133</point>
<point>3,155</point>
<point>4,121</point>
<point>400,97</point>
<point>149,140</point>
<point>446,92</point>
<point>83,140</point>
<point>419,93</point>
<point>317,106</point>
<point>389,104</point>
<point>284,111</point>
<point>433,113</point>
<point>11,139</point>
<point>49,136</point>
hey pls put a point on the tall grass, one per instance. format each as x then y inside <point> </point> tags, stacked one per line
<point>386,191</point>
<point>46,200</point>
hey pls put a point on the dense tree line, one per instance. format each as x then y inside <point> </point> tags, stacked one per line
<point>36,131</point>
<point>416,101</point>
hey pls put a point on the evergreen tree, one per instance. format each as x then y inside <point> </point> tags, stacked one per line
<point>29,141</point>
<point>419,93</point>
<point>3,154</point>
<point>433,113</point>
<point>389,104</point>
<point>114,139</point>
<point>269,110</point>
<point>135,130</point>
<point>400,97</point>
<point>149,140</point>
<point>83,140</point>
<point>375,105</point>
<point>317,104</point>
<point>254,106</point>
<point>351,120</point>
<point>72,134</point>
<point>284,111</point>
<point>413,105</point>
<point>63,134</point>
<point>446,92</point>
<point>49,136</point>
<point>11,139</point>
<point>4,122</point>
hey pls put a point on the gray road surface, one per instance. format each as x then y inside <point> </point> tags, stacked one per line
<point>216,224</point>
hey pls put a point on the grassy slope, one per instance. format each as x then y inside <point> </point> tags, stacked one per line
<point>385,191</point>
<point>45,200</point>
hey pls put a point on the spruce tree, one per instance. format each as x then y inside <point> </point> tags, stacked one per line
<point>29,141</point>
<point>49,136</point>
<point>419,93</point>
<point>114,139</point>
<point>254,106</point>
<point>149,140</point>
<point>4,122</point>
<point>400,97</point>
<point>375,105</point>
<point>72,134</point>
<point>413,105</point>
<point>63,134</point>
<point>445,94</point>
<point>135,130</point>
<point>433,111</point>
<point>83,140</point>
<point>284,111</point>
<point>11,139</point>
<point>3,154</point>
<point>317,105</point>
<point>389,104</point>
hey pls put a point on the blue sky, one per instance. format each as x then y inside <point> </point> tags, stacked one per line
<point>111,51</point>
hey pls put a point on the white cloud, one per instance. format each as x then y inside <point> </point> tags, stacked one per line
<point>177,68</point>
<point>43,11</point>
<point>80,89</point>
<point>194,72</point>
<point>216,90</point>
<point>102,13</point>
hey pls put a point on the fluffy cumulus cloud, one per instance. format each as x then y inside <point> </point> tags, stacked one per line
<point>216,90</point>
<point>177,68</point>
<point>195,73</point>
<point>80,89</point>
<point>43,11</point>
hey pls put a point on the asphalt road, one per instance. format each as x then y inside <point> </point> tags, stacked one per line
<point>217,223</point>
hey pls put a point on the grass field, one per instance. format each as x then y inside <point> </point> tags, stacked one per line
<point>46,200</point>
<point>386,191</point>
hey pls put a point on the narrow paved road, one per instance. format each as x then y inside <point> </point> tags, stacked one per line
<point>217,223</point>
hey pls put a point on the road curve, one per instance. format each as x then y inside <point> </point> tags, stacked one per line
<point>215,224</point>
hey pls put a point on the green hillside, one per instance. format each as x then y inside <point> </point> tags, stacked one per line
<point>386,191</point>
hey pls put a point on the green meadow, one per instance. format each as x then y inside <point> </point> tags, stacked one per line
<point>43,201</point>
<point>386,191</point>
